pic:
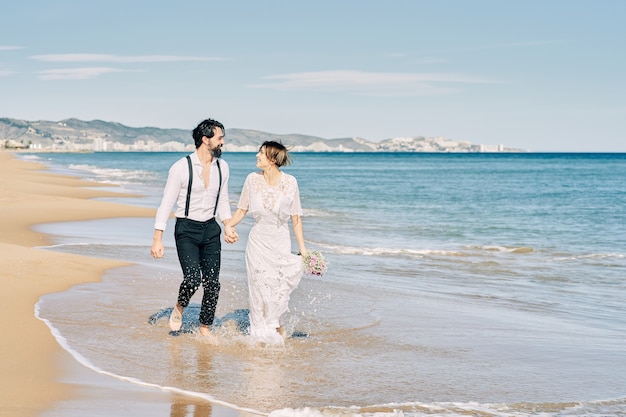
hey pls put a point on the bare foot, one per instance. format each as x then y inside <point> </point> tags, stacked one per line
<point>176,318</point>
<point>281,331</point>
<point>208,335</point>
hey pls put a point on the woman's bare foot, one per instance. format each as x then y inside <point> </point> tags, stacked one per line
<point>208,335</point>
<point>281,331</point>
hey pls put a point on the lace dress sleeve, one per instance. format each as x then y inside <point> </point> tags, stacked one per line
<point>244,198</point>
<point>296,208</point>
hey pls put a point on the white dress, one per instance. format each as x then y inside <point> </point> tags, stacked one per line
<point>273,270</point>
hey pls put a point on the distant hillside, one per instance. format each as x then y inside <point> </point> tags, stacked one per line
<point>98,135</point>
<point>76,131</point>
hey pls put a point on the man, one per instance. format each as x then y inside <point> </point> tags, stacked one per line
<point>196,232</point>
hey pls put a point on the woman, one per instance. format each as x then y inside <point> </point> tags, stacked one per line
<point>272,198</point>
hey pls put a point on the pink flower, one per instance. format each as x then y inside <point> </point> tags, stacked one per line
<point>315,264</point>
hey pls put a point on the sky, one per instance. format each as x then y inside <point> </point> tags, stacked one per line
<point>539,75</point>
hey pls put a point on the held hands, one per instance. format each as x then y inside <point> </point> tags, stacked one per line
<point>230,235</point>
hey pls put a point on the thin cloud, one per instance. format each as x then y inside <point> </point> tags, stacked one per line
<point>429,60</point>
<point>512,45</point>
<point>6,73</point>
<point>533,43</point>
<point>371,83</point>
<point>120,59</point>
<point>75,73</point>
<point>417,60</point>
<point>399,55</point>
<point>10,48</point>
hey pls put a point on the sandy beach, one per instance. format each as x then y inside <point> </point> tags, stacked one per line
<point>32,362</point>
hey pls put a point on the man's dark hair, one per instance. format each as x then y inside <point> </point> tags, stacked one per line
<point>205,128</point>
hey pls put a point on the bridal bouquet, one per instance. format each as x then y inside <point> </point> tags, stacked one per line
<point>314,263</point>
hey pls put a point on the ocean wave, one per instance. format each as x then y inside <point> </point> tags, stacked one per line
<point>356,250</point>
<point>103,244</point>
<point>29,157</point>
<point>557,256</point>
<point>593,256</point>
<point>115,175</point>
<point>309,212</point>
<point>382,251</point>
<point>513,249</point>
<point>462,409</point>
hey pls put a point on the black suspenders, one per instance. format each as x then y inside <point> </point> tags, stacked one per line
<point>189,186</point>
<point>219,188</point>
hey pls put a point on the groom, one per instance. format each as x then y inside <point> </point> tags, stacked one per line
<point>198,185</point>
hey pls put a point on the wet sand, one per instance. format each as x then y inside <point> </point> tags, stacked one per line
<point>36,375</point>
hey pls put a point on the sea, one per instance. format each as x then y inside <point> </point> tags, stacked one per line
<point>482,284</point>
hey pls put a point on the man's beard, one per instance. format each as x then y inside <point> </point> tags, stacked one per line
<point>217,151</point>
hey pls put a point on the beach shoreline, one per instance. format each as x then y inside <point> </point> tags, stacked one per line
<point>37,373</point>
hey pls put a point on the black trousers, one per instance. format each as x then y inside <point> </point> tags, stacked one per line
<point>199,252</point>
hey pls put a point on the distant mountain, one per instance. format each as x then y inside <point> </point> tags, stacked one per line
<point>98,135</point>
<point>48,134</point>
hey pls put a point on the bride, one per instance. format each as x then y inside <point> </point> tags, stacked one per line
<point>272,198</point>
